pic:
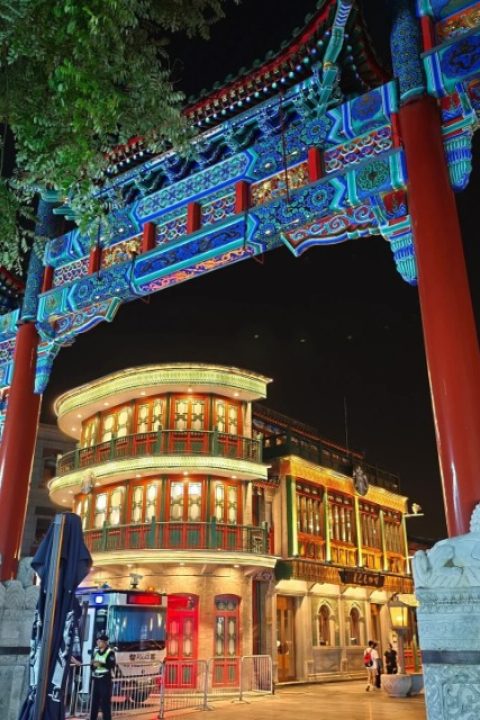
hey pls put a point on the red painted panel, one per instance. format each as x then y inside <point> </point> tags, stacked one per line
<point>428,32</point>
<point>148,239</point>
<point>315,164</point>
<point>47,278</point>
<point>242,196</point>
<point>94,260</point>
<point>193,217</point>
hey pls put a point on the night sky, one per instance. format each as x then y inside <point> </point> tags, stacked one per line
<point>337,323</point>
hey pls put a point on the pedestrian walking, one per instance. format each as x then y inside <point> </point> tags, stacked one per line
<point>103,664</point>
<point>370,660</point>
<point>391,660</point>
<point>378,675</point>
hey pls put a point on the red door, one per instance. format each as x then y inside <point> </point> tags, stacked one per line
<point>226,641</point>
<point>182,641</point>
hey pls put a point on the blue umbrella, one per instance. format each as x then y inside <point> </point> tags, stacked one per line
<point>62,561</point>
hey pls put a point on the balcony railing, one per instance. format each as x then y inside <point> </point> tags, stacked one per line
<point>322,454</point>
<point>164,442</point>
<point>181,536</point>
<point>346,554</point>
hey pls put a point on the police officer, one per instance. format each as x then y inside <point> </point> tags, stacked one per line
<point>103,663</point>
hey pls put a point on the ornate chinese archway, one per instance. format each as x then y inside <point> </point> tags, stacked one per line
<point>316,146</point>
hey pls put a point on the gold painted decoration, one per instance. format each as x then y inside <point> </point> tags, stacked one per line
<point>304,470</point>
<point>278,185</point>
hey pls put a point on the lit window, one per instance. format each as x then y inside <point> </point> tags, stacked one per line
<point>226,625</point>
<point>194,501</point>
<point>355,627</point>
<point>137,504</point>
<point>100,510</point>
<point>227,503</point>
<point>324,625</point>
<point>176,501</point>
<point>151,504</point>
<point>116,506</point>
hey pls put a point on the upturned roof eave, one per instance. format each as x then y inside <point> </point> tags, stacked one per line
<point>315,23</point>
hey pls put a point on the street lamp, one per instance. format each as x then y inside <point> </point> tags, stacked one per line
<point>399,620</point>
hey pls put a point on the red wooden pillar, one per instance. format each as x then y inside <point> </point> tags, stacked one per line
<point>47,281</point>
<point>94,259</point>
<point>428,32</point>
<point>242,196</point>
<point>17,448</point>
<point>148,238</point>
<point>194,217</point>
<point>447,316</point>
<point>315,164</point>
<point>396,139</point>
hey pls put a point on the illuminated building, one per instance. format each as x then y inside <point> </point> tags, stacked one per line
<point>265,538</point>
<point>40,511</point>
<point>339,529</point>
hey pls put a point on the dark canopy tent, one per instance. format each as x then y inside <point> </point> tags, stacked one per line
<point>62,562</point>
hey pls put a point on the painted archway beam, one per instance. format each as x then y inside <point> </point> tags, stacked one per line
<point>460,118</point>
<point>261,229</point>
<point>366,199</point>
<point>75,307</point>
<point>256,230</point>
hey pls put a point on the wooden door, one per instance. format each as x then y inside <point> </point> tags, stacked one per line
<point>182,641</point>
<point>226,641</point>
<point>286,638</point>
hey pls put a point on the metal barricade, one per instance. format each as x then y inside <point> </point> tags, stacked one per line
<point>223,678</point>
<point>179,685</point>
<point>184,686</point>
<point>131,696</point>
<point>238,677</point>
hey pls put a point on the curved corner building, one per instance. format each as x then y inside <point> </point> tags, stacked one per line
<point>296,558</point>
<point>163,479</point>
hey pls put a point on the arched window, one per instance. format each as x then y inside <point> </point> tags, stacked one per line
<point>355,627</point>
<point>323,619</point>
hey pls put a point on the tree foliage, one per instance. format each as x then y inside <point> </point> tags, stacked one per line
<point>76,77</point>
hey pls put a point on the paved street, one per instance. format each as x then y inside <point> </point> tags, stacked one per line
<point>336,701</point>
<point>325,701</point>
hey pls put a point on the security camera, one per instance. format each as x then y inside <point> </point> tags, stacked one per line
<point>135,579</point>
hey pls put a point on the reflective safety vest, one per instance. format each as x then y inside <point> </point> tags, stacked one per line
<point>101,657</point>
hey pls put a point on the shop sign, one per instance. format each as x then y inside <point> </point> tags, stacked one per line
<point>361,577</point>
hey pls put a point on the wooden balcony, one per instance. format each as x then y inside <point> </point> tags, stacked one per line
<point>181,536</point>
<point>313,547</point>
<point>165,442</point>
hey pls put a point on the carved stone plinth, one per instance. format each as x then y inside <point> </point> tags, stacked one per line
<point>417,683</point>
<point>397,685</point>
<point>447,585</point>
<point>18,599</point>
